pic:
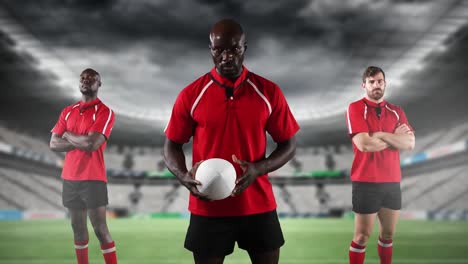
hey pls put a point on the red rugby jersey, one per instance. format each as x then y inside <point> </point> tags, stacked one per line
<point>380,166</point>
<point>82,118</point>
<point>223,125</point>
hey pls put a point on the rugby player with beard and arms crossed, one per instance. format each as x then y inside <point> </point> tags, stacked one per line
<point>379,130</point>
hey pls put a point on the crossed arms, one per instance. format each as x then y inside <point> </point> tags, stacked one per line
<point>69,141</point>
<point>401,139</point>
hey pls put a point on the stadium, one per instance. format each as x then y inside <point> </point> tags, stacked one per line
<point>316,51</point>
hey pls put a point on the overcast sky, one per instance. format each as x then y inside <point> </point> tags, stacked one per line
<point>147,51</point>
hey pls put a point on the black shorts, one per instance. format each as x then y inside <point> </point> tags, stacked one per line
<point>84,194</point>
<point>369,197</point>
<point>216,236</point>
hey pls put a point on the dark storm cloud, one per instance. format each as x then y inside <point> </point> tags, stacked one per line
<point>301,45</point>
<point>114,23</point>
<point>176,29</point>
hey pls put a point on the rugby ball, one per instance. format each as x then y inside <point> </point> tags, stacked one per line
<point>218,178</point>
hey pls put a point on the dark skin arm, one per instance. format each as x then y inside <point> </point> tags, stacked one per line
<point>174,158</point>
<point>283,153</point>
<point>58,144</point>
<point>90,142</point>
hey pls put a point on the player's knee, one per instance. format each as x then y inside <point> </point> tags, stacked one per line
<point>101,232</point>
<point>78,228</point>
<point>386,235</point>
<point>362,238</point>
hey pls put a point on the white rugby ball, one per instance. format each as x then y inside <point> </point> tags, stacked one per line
<point>218,178</point>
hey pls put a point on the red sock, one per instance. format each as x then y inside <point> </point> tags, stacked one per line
<point>81,250</point>
<point>356,253</point>
<point>108,251</point>
<point>385,249</point>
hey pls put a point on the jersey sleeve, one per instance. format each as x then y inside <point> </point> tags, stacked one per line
<point>181,124</point>
<point>104,122</point>
<point>281,124</point>
<point>61,125</point>
<point>355,118</point>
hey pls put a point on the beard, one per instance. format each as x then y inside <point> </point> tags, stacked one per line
<point>376,94</point>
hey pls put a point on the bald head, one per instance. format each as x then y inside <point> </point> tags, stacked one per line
<point>228,45</point>
<point>93,72</point>
<point>225,28</point>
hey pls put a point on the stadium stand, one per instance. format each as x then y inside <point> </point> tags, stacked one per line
<point>25,143</point>
<point>438,188</point>
<point>26,193</point>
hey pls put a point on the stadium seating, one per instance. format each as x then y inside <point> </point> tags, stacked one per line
<point>435,190</point>
<point>440,189</point>
<point>25,192</point>
<point>25,143</point>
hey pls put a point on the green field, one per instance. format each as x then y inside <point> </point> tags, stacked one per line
<point>321,241</point>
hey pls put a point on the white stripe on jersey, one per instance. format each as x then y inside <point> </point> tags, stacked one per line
<point>107,122</point>
<point>261,95</point>
<point>199,97</point>
<point>395,112</point>
<point>350,129</point>
<point>95,111</point>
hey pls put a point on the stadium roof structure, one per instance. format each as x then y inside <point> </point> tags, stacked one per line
<point>315,50</point>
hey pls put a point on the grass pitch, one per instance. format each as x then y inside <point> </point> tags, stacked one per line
<point>308,241</point>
